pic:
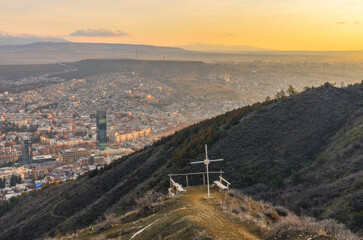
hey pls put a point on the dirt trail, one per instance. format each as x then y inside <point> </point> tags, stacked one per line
<point>184,217</point>
<point>206,214</point>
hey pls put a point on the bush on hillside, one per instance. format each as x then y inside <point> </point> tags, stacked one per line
<point>278,220</point>
<point>110,220</point>
<point>148,200</point>
<point>327,227</point>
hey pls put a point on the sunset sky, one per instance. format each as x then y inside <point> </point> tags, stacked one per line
<point>272,24</point>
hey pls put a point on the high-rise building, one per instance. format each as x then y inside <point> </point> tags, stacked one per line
<point>102,130</point>
<point>27,151</point>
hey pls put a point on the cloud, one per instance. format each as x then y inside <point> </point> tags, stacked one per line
<point>97,33</point>
<point>356,22</point>
<point>341,23</point>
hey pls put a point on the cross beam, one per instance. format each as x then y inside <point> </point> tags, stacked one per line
<point>207,161</point>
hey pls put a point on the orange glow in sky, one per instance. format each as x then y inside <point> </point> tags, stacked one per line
<point>271,24</point>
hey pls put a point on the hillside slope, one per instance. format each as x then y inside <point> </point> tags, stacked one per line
<point>184,217</point>
<point>226,216</point>
<point>303,152</point>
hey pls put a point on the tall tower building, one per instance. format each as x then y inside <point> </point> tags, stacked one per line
<point>102,129</point>
<point>27,151</point>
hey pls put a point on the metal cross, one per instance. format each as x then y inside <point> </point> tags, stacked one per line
<point>207,162</point>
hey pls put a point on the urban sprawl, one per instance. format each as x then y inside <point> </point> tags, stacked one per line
<point>66,128</point>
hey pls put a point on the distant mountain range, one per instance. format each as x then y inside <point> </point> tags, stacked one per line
<point>24,39</point>
<point>7,39</point>
<point>52,52</point>
<point>303,152</point>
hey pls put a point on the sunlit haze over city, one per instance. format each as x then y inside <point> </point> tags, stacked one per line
<point>269,24</point>
<point>181,119</point>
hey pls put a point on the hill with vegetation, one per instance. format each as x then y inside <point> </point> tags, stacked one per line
<point>303,152</point>
<point>228,215</point>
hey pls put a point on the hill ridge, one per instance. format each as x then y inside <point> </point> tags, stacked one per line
<point>266,148</point>
<point>228,215</point>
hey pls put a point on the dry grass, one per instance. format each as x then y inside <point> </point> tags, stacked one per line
<point>199,234</point>
<point>110,220</point>
<point>277,220</point>
<point>246,208</point>
<point>327,227</point>
<point>99,237</point>
<point>149,199</point>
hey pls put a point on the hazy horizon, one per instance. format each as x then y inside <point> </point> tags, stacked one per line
<point>287,26</point>
<point>199,47</point>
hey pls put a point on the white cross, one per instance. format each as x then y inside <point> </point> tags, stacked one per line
<point>206,162</point>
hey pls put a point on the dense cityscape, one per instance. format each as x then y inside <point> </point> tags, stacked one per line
<point>185,120</point>
<point>54,133</point>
